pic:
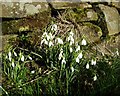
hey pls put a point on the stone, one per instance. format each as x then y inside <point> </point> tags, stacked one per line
<point>91,15</point>
<point>5,40</point>
<point>116,4</point>
<point>31,9</point>
<point>22,9</point>
<point>111,18</point>
<point>38,21</point>
<point>64,5</point>
<point>110,46</point>
<point>91,32</point>
<point>88,15</point>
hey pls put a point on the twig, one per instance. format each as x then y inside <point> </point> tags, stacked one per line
<point>44,74</point>
<point>62,20</point>
<point>31,52</point>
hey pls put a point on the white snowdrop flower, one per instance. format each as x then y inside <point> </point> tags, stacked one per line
<point>51,36</point>
<point>77,60</point>
<point>22,58</point>
<point>71,33</point>
<point>44,34</point>
<point>80,55</point>
<point>9,56</point>
<point>71,50</point>
<point>48,37</point>
<point>60,41</point>
<point>68,38</point>
<point>84,42</point>
<point>51,44</point>
<point>93,62</point>
<point>63,60</point>
<point>54,27</point>
<point>72,39</point>
<point>87,66</point>
<point>61,54</point>
<point>78,48</point>
<point>15,53</point>
<point>95,78</point>
<point>33,71</point>
<point>13,64</point>
<point>71,43</point>
<point>30,57</point>
<point>72,69</point>
<point>44,41</point>
<point>117,52</point>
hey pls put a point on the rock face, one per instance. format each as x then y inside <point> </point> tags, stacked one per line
<point>112,18</point>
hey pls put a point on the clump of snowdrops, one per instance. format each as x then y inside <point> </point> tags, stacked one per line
<point>69,70</point>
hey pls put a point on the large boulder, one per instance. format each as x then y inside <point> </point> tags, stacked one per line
<point>22,9</point>
<point>112,18</point>
<point>37,21</point>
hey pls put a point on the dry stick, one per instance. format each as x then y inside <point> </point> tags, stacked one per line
<point>44,74</point>
<point>30,52</point>
<point>62,20</point>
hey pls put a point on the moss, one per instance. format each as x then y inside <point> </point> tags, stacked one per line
<point>36,21</point>
<point>94,27</point>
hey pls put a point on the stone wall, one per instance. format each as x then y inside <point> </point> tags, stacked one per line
<point>99,19</point>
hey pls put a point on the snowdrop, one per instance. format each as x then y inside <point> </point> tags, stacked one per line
<point>61,54</point>
<point>44,41</point>
<point>117,52</point>
<point>22,58</point>
<point>95,78</point>
<point>63,60</point>
<point>15,53</point>
<point>54,27</point>
<point>59,40</point>
<point>51,36</point>
<point>13,65</point>
<point>33,71</point>
<point>71,33</point>
<point>70,38</point>
<point>77,60</point>
<point>71,50</point>
<point>44,34</point>
<point>93,62</point>
<point>87,66</point>
<point>48,37</point>
<point>30,57</point>
<point>83,42</point>
<point>78,48</point>
<point>79,57</point>
<point>72,69</point>
<point>9,56</point>
<point>51,44</point>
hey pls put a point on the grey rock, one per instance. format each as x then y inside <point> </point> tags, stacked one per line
<point>91,32</point>
<point>31,9</point>
<point>112,18</point>
<point>64,5</point>
<point>21,9</point>
<point>116,4</point>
